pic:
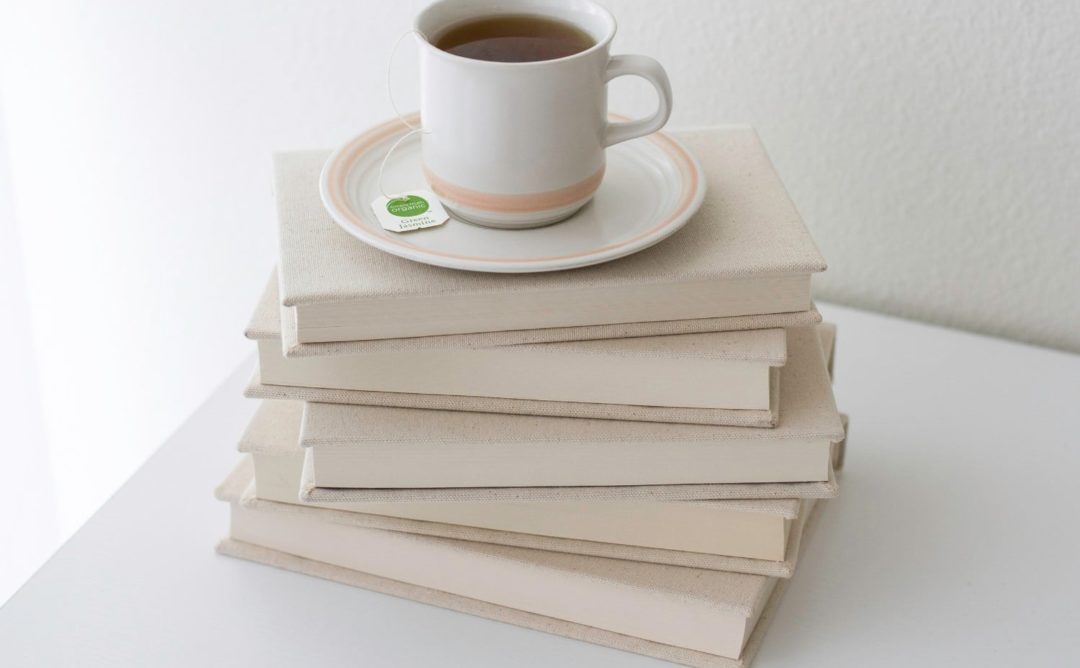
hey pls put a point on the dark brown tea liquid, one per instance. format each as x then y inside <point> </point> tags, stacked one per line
<point>514,38</point>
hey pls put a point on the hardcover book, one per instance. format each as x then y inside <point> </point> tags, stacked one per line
<point>392,448</point>
<point>701,612</point>
<point>827,335</point>
<point>748,536</point>
<point>312,493</point>
<point>709,378</point>
<point>269,556</point>
<point>745,253</point>
<point>285,328</point>
<point>257,389</point>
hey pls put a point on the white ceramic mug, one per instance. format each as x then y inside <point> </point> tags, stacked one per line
<point>518,145</point>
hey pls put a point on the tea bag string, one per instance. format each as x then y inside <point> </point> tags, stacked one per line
<point>401,117</point>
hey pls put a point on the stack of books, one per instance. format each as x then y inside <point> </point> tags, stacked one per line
<point>631,454</point>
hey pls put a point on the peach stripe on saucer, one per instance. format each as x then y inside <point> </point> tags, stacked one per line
<point>525,203</point>
<point>344,161</point>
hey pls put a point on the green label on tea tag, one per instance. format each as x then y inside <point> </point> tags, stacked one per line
<point>412,210</point>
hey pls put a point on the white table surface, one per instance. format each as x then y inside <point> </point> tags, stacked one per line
<point>954,541</point>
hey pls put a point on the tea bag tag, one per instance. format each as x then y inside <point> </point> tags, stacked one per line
<point>410,210</point>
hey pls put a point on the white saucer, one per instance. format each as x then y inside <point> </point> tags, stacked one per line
<point>651,188</point>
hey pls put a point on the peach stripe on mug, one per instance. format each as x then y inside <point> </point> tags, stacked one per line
<point>527,203</point>
<point>549,113</point>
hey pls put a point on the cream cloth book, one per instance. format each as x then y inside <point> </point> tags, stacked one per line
<point>749,536</point>
<point>286,329</point>
<point>712,612</point>
<point>686,615</point>
<point>257,389</point>
<point>430,596</point>
<point>704,370</point>
<point>827,336</point>
<point>378,447</point>
<point>311,493</point>
<point>707,378</point>
<point>746,252</point>
<point>689,531</point>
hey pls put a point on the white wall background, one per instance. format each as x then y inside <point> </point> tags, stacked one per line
<point>931,146</point>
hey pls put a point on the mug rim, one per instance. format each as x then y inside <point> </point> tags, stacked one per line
<point>613,27</point>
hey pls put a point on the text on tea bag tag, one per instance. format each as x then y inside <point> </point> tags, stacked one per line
<point>408,211</point>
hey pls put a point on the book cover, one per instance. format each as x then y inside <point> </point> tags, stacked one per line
<point>827,334</point>
<point>732,600</point>
<point>366,446</point>
<point>311,493</point>
<point>729,375</point>
<point>271,321</point>
<point>257,389</point>
<point>711,612</point>
<point>746,252</point>
<point>430,596</point>
<point>722,378</point>
<point>826,489</point>
<point>733,535</point>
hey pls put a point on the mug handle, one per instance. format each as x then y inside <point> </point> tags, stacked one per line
<point>649,69</point>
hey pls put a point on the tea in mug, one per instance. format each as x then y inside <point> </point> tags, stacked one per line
<point>514,38</point>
